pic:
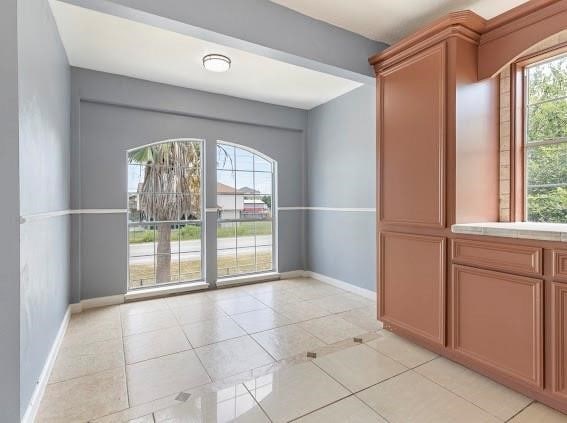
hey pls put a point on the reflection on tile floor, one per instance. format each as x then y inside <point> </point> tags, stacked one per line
<point>240,355</point>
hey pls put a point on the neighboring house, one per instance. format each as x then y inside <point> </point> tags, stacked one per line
<point>247,191</point>
<point>255,208</point>
<point>241,203</point>
<point>229,202</point>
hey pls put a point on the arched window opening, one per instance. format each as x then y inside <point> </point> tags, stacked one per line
<point>245,202</point>
<point>165,213</point>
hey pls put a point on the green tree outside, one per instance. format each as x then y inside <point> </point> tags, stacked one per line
<point>547,121</point>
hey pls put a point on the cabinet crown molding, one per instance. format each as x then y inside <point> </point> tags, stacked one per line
<point>465,23</point>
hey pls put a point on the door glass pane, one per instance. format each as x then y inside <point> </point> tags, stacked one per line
<point>244,160</point>
<point>226,263</point>
<point>141,240</point>
<point>166,270</point>
<point>263,183</point>
<point>263,233</point>
<point>189,238</point>
<point>135,178</point>
<point>262,165</point>
<point>190,266</point>
<point>246,259</point>
<point>264,261</point>
<point>225,157</point>
<point>142,271</point>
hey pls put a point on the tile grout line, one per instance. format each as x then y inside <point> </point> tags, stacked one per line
<point>242,383</point>
<point>521,411</point>
<point>169,307</point>
<point>249,335</point>
<point>192,347</point>
<point>257,402</point>
<point>454,393</point>
<point>323,407</point>
<point>124,356</point>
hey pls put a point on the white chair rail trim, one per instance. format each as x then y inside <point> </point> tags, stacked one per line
<point>49,215</point>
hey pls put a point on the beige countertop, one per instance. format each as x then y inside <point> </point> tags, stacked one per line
<point>524,230</point>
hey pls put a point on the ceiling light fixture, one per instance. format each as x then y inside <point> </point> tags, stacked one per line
<point>216,63</point>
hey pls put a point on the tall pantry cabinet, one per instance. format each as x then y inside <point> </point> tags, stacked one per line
<point>437,165</point>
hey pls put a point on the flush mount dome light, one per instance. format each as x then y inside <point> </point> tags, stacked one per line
<point>216,63</point>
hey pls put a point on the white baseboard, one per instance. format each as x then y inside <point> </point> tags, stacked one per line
<point>366,293</point>
<point>97,302</point>
<point>35,401</point>
<point>292,274</point>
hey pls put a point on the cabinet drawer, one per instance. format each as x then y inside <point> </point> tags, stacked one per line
<point>560,265</point>
<point>502,257</point>
<point>497,322</point>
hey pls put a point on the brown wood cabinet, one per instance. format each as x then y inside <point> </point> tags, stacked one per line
<point>432,139</point>
<point>499,307</point>
<point>413,282</point>
<point>412,151</point>
<point>559,339</point>
<point>560,265</point>
<point>497,322</point>
<point>502,257</point>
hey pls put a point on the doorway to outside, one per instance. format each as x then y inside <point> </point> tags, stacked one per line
<point>165,227</point>
<point>165,212</point>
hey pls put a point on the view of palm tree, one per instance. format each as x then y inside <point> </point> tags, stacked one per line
<point>168,199</point>
<point>165,211</point>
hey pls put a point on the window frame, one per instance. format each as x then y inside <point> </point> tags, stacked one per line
<point>518,128</point>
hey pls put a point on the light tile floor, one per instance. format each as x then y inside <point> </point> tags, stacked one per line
<point>240,354</point>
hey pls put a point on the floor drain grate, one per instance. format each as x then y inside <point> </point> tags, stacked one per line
<point>182,397</point>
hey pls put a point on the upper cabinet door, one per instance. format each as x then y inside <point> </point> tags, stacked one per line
<point>412,140</point>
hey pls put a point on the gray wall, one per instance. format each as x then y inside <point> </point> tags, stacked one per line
<point>44,141</point>
<point>113,114</point>
<point>341,169</point>
<point>9,216</point>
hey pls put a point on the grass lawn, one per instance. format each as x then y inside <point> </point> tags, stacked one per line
<point>189,232</point>
<point>143,274</point>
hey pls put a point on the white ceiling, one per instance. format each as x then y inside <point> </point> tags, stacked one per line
<point>106,43</point>
<point>391,20</point>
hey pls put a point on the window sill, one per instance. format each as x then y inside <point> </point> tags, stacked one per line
<point>162,291</point>
<point>245,279</point>
<point>520,230</point>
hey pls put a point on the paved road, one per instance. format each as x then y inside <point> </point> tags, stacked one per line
<point>142,253</point>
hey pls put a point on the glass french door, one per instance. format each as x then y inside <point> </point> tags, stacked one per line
<point>165,236</point>
<point>245,218</point>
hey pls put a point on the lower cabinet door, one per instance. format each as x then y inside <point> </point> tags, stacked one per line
<point>559,338</point>
<point>412,284</point>
<point>497,322</point>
